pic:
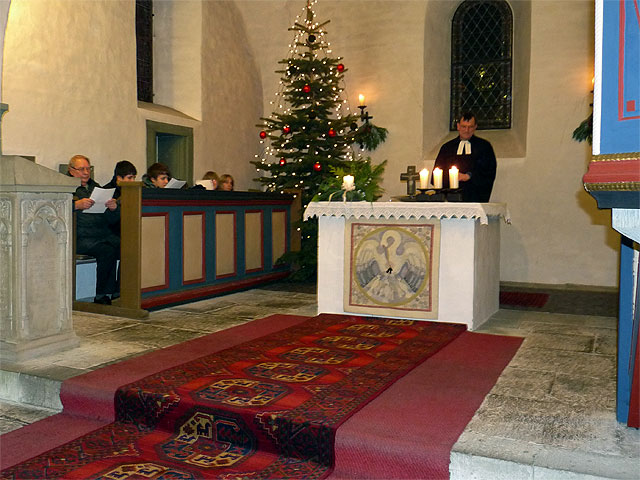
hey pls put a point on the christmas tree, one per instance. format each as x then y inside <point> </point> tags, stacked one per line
<point>312,135</point>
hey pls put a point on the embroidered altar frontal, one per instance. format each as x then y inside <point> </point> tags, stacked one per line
<point>264,409</point>
<point>391,268</point>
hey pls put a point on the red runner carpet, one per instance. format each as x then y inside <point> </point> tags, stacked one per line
<point>407,432</point>
<point>268,408</point>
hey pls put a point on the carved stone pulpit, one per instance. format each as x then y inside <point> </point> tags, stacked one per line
<point>36,248</point>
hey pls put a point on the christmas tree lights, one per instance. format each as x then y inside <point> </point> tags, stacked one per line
<point>312,133</point>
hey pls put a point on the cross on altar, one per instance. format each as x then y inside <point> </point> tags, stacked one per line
<point>410,176</point>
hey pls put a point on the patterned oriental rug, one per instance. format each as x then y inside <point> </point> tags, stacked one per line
<point>262,409</point>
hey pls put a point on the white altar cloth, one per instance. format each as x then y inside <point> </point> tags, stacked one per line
<point>469,275</point>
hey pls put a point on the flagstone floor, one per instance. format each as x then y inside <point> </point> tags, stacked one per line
<point>551,414</point>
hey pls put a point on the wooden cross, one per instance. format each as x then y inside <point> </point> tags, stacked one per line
<point>410,176</point>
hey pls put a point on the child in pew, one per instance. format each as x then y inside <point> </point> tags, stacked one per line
<point>124,171</point>
<point>226,183</point>
<point>211,177</point>
<point>157,176</point>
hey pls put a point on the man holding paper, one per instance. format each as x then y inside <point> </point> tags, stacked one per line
<point>474,158</point>
<point>95,209</point>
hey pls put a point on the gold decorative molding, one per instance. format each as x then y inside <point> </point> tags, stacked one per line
<point>617,186</point>
<point>616,157</point>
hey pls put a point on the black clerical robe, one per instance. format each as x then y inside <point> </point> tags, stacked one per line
<point>481,164</point>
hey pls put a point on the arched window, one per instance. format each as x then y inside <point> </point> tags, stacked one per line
<point>481,46</point>
<point>144,49</point>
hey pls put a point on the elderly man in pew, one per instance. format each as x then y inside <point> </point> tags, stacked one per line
<point>94,235</point>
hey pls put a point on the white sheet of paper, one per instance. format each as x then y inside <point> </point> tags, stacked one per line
<point>100,196</point>
<point>173,183</point>
<point>208,184</point>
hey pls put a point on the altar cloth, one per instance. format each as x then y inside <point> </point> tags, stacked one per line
<point>480,211</point>
<point>468,264</point>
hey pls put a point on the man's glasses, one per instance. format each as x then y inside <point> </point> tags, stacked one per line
<point>81,169</point>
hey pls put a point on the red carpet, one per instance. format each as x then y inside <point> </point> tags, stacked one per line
<point>265,409</point>
<point>524,299</point>
<point>408,431</point>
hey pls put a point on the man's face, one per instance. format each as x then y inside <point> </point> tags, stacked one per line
<point>126,178</point>
<point>160,181</point>
<point>467,128</point>
<point>80,168</point>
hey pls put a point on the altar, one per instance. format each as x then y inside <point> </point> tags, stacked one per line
<point>437,261</point>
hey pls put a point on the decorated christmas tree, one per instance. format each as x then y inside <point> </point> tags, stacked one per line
<point>312,137</point>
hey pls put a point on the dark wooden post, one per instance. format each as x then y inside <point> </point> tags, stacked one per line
<point>130,244</point>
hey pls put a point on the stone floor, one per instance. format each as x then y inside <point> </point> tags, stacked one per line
<point>551,414</point>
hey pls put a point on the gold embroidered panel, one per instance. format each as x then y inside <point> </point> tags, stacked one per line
<point>391,268</point>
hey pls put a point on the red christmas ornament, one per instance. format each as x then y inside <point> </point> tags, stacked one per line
<point>317,166</point>
<point>283,161</point>
<point>263,134</point>
<point>286,129</point>
<point>306,89</point>
<point>340,67</point>
<point>332,132</point>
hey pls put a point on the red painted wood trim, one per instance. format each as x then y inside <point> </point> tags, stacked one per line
<point>633,419</point>
<point>223,203</point>
<point>189,295</point>
<point>204,248</point>
<point>261,267</point>
<point>612,171</point>
<point>235,243</point>
<point>166,251</point>
<point>286,231</point>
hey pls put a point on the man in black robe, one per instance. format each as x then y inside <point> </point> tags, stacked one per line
<point>474,158</point>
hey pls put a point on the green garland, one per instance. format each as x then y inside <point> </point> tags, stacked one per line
<point>367,180</point>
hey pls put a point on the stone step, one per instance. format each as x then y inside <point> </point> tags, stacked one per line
<point>30,390</point>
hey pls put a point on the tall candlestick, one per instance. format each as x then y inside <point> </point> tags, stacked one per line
<point>453,177</point>
<point>437,178</point>
<point>361,99</point>
<point>424,178</point>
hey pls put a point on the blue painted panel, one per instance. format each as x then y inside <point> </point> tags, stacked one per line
<point>625,329</point>
<point>620,103</point>
<point>176,243</point>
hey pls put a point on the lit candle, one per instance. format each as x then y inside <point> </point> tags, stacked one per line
<point>453,177</point>
<point>437,177</point>
<point>361,99</point>
<point>424,178</point>
<point>347,182</point>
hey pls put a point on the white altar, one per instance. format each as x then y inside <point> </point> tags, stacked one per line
<point>466,284</point>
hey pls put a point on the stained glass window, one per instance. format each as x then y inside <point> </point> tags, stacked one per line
<point>481,46</point>
<point>144,49</point>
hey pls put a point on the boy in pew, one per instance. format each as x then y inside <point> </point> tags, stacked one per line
<point>157,176</point>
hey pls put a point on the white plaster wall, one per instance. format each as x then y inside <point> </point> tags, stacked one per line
<point>177,44</point>
<point>232,95</point>
<point>397,53</point>
<point>69,80</point>
<point>558,235</point>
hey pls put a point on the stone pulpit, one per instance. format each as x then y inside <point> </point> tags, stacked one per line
<point>36,257</point>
